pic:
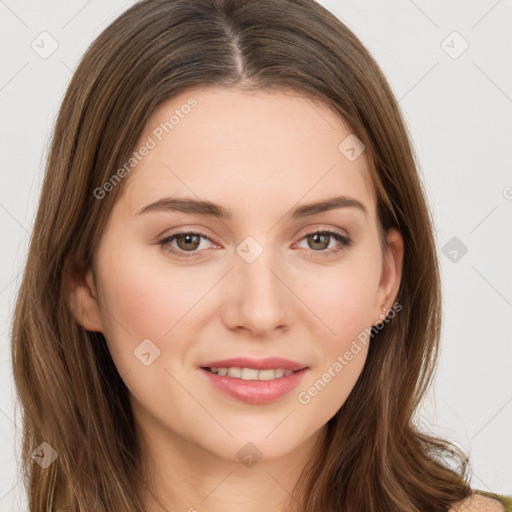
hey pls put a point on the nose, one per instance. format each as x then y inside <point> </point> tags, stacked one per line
<point>257,297</point>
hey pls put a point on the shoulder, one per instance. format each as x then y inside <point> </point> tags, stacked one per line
<point>482,502</point>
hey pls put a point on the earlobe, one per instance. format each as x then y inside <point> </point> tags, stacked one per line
<point>391,274</point>
<point>83,300</point>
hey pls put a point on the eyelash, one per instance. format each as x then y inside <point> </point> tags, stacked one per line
<point>345,242</point>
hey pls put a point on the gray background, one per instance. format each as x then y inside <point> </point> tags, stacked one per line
<point>458,111</point>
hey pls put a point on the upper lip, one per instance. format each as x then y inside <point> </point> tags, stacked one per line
<point>268,363</point>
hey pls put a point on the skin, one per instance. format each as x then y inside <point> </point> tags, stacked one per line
<point>260,155</point>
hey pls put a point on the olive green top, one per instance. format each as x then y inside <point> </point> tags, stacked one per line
<point>505,500</point>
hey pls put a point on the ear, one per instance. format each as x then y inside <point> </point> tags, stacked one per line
<point>83,299</point>
<point>391,274</point>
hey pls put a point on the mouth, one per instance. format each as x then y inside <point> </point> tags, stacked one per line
<point>251,373</point>
<point>256,382</point>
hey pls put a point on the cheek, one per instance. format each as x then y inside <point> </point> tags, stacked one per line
<point>342,296</point>
<point>346,309</point>
<point>344,300</point>
<point>143,299</point>
<point>347,303</point>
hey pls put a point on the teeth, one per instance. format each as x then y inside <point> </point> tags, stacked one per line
<point>235,372</point>
<point>252,373</point>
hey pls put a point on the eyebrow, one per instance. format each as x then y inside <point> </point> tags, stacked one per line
<point>193,206</point>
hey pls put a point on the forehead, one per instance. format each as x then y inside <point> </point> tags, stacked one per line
<point>246,150</point>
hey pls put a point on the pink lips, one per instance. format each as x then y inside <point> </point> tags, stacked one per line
<point>255,391</point>
<point>259,364</point>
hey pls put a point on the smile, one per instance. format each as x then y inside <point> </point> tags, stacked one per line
<point>251,373</point>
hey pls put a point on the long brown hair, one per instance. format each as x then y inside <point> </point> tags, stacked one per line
<point>375,456</point>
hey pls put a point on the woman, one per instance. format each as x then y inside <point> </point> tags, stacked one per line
<point>232,297</point>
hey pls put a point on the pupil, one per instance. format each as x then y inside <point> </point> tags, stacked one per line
<point>188,239</point>
<point>316,237</point>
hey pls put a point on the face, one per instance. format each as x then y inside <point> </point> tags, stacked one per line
<point>177,286</point>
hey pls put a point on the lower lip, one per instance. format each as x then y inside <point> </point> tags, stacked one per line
<point>255,391</point>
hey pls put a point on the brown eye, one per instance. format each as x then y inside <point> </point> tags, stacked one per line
<point>188,241</point>
<point>318,241</point>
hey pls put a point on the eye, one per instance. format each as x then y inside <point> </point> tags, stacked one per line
<point>187,242</point>
<point>320,241</point>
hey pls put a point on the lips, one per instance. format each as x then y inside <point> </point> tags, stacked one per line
<point>240,385</point>
<point>269,363</point>
<point>254,391</point>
